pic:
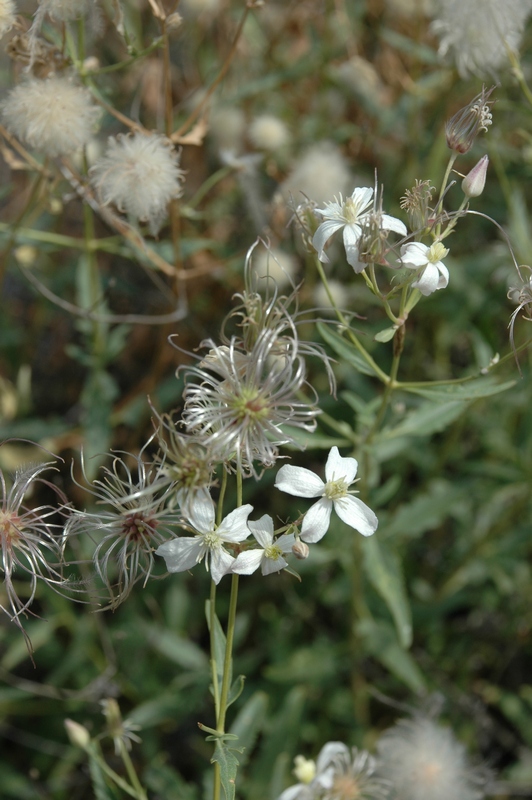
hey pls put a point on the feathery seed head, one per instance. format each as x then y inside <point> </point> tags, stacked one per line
<point>140,174</point>
<point>424,761</point>
<point>416,203</point>
<point>479,33</point>
<point>54,116</point>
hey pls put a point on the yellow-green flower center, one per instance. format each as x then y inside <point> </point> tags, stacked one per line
<point>334,490</point>
<point>436,252</point>
<point>251,404</point>
<point>273,551</point>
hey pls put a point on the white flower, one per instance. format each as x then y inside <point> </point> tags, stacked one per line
<point>270,557</point>
<point>424,761</point>
<point>314,778</point>
<point>53,116</point>
<point>318,173</point>
<point>187,551</point>
<point>352,775</point>
<point>339,473</point>
<point>140,174</point>
<point>478,32</point>
<point>433,273</point>
<point>350,215</point>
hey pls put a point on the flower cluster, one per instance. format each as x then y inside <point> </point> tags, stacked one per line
<point>416,760</point>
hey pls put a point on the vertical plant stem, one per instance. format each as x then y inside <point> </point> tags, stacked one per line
<point>131,773</point>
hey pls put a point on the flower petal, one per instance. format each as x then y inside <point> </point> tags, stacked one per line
<point>352,234</point>
<point>234,528</point>
<point>201,513</point>
<point>262,530</point>
<point>323,234</point>
<point>220,563</point>
<point>270,565</point>
<point>316,521</point>
<point>247,562</point>
<point>414,255</point>
<point>428,281</point>
<point>299,481</point>
<point>356,514</point>
<point>339,467</point>
<point>180,554</point>
<point>393,224</point>
<point>361,198</point>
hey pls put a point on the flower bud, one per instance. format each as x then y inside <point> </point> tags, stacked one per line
<point>462,129</point>
<point>78,735</point>
<point>300,550</point>
<point>475,180</point>
<point>304,769</point>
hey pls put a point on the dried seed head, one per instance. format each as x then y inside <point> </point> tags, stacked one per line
<point>54,116</point>
<point>464,127</point>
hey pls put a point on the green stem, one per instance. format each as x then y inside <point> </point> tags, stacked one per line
<point>354,339</point>
<point>132,775</point>
<point>220,723</point>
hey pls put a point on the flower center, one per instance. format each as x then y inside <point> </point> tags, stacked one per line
<point>9,527</point>
<point>334,490</point>
<point>138,525</point>
<point>436,252</point>
<point>251,404</point>
<point>351,210</point>
<point>273,551</point>
<point>212,540</point>
<point>345,787</point>
<point>430,773</point>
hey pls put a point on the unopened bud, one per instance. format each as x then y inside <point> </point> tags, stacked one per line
<point>300,550</point>
<point>78,735</point>
<point>173,22</point>
<point>462,129</point>
<point>474,182</point>
<point>304,769</point>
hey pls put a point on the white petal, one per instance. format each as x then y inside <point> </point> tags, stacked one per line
<point>361,197</point>
<point>262,530</point>
<point>234,528</point>
<point>286,542</point>
<point>248,562</point>
<point>356,514</point>
<point>220,564</point>
<point>352,234</point>
<point>323,234</point>
<point>444,275</point>
<point>414,255</point>
<point>316,521</point>
<point>201,513</point>
<point>180,554</point>
<point>339,467</point>
<point>427,283</point>
<point>299,481</point>
<point>393,224</point>
<point>328,752</point>
<point>270,565</point>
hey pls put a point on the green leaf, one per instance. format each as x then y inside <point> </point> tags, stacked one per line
<point>472,390</point>
<point>219,643</point>
<point>385,335</point>
<point>176,648</point>
<point>383,569</point>
<point>236,690</point>
<point>250,721</point>
<point>345,350</point>
<point>381,642</point>
<point>429,418</point>
<point>225,756</point>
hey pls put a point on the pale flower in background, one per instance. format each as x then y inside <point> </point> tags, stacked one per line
<point>267,132</point>
<point>352,776</point>
<point>313,777</point>
<point>7,15</point>
<point>273,264</point>
<point>270,557</point>
<point>140,174</point>
<point>185,552</point>
<point>478,33</point>
<point>424,761</point>
<point>350,215</point>
<point>340,474</point>
<point>433,272</point>
<point>319,173</point>
<point>53,116</point>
